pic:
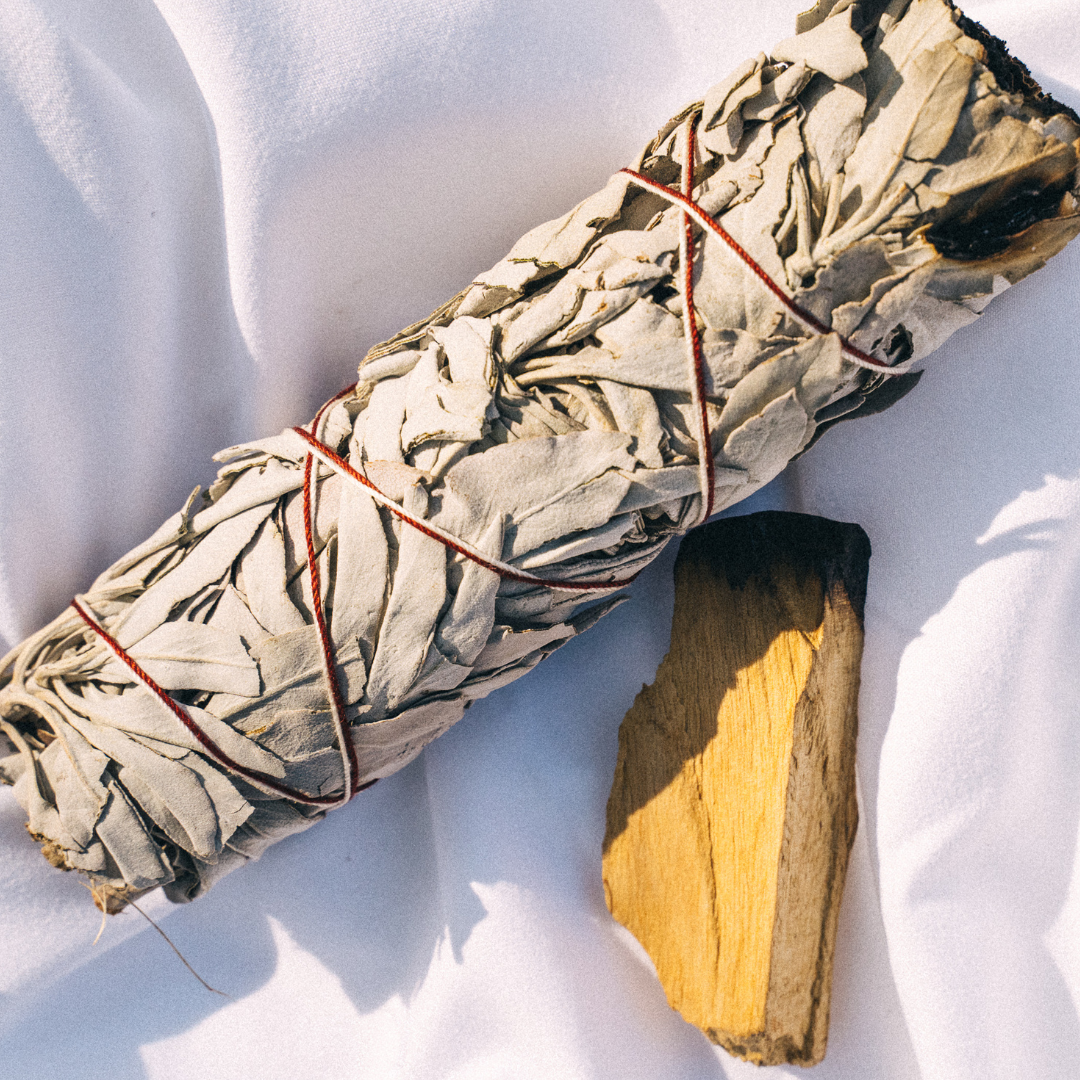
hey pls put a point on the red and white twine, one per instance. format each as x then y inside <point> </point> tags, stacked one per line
<point>260,780</point>
<point>692,336</point>
<point>318,452</point>
<point>803,317</point>
<point>257,779</point>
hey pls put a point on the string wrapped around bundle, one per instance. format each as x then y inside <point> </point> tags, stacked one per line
<point>775,261</point>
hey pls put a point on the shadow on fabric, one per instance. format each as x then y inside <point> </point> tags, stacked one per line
<point>948,484</point>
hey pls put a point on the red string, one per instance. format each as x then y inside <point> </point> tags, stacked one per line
<point>352,772</point>
<point>691,211</point>
<point>259,779</point>
<point>337,699</point>
<point>801,315</point>
<point>502,569</point>
<point>690,322</point>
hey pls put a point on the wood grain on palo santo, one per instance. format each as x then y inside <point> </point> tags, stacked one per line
<point>294,635</point>
<point>732,810</point>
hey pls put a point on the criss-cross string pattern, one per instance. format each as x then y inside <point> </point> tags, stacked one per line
<point>505,570</point>
<point>260,780</point>
<point>801,316</point>
<point>318,452</point>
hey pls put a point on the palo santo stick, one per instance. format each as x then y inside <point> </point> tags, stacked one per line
<point>732,811</point>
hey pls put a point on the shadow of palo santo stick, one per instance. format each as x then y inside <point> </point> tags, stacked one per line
<point>732,811</point>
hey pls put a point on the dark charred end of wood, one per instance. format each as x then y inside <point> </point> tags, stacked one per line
<point>767,1050</point>
<point>748,548</point>
<point>998,217</point>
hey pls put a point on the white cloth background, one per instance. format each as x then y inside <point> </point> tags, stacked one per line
<point>210,209</point>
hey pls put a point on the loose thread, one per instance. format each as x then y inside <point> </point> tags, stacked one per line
<point>183,959</point>
<point>105,917</point>
<point>104,912</point>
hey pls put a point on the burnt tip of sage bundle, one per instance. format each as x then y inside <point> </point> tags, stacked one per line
<point>1012,74</point>
<point>994,231</point>
<point>987,157</point>
<point>1005,212</point>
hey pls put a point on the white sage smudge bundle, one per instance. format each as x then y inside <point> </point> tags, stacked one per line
<point>342,593</point>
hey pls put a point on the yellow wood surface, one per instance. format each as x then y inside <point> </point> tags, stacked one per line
<point>732,808</point>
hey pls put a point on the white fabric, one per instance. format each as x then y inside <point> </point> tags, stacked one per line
<point>211,208</point>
